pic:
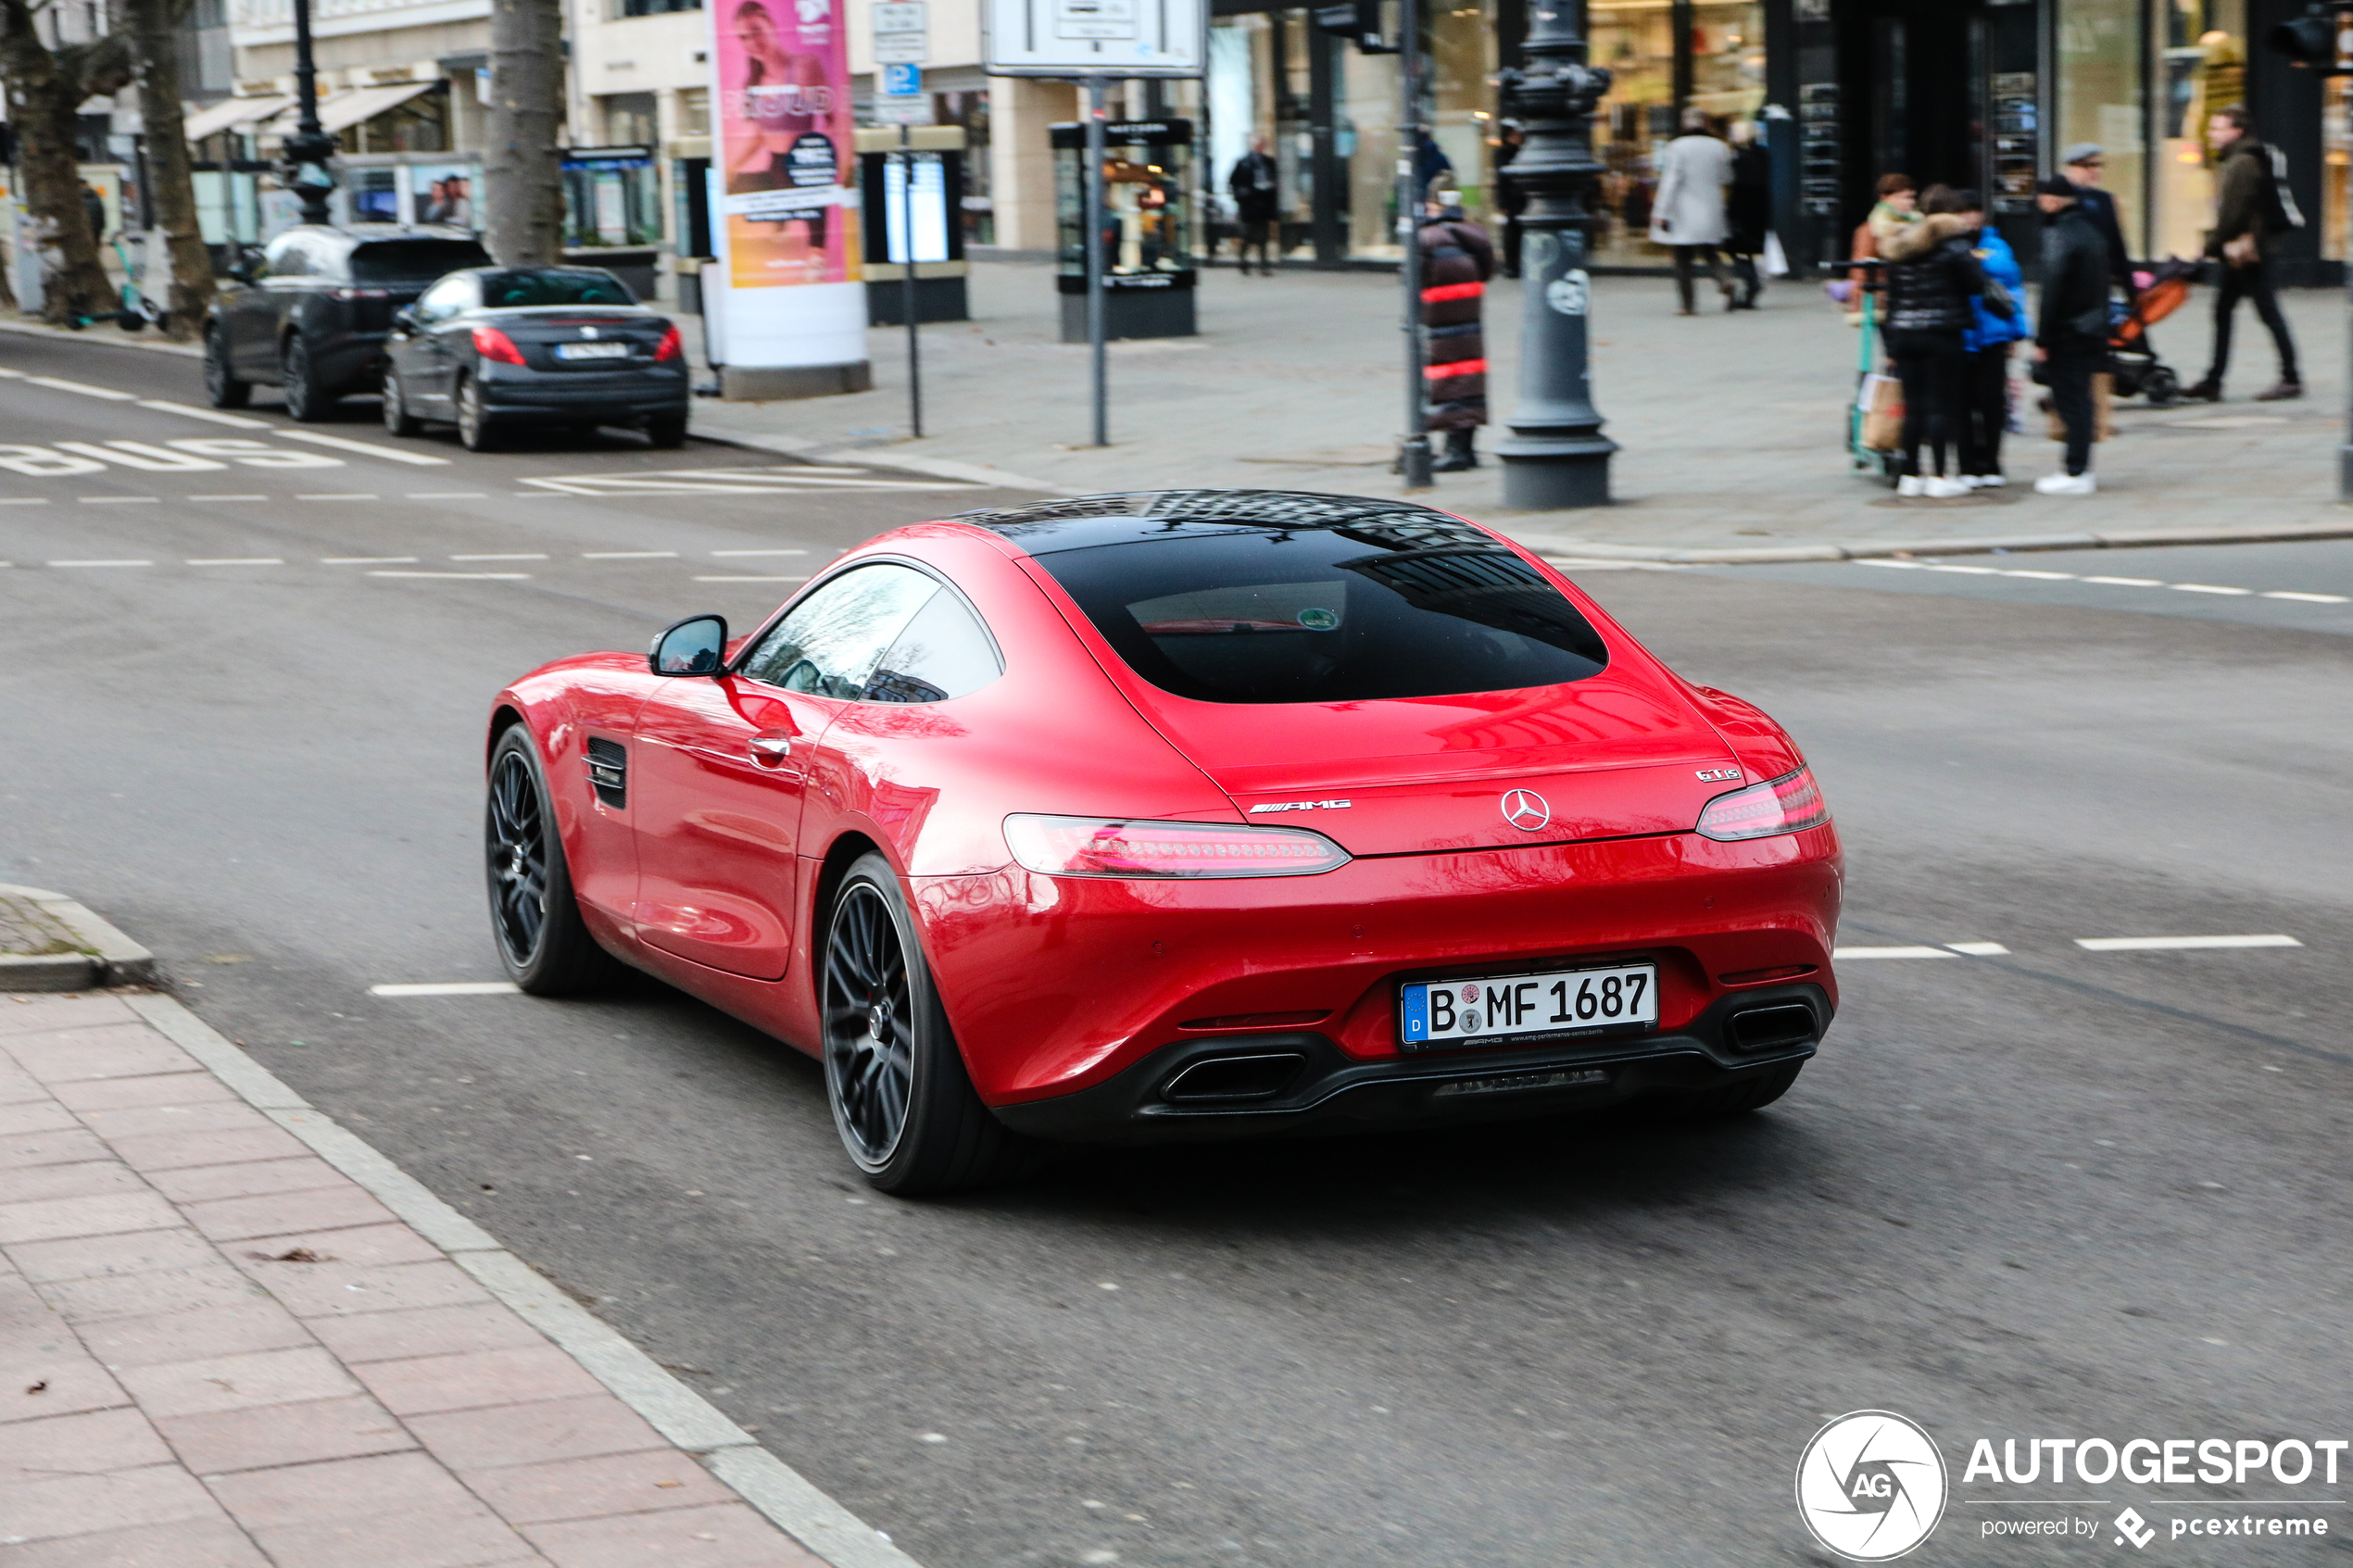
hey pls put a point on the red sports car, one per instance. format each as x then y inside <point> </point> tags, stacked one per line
<point>1185,813</point>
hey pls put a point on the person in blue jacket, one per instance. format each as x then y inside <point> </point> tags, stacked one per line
<point>1990,341</point>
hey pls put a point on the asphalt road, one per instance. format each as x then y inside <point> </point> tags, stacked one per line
<point>2052,1192</point>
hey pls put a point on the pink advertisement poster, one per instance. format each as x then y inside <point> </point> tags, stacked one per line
<point>788,142</point>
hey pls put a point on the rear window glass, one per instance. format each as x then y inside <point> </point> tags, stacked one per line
<point>571,286</point>
<point>1318,615</point>
<point>413,261</point>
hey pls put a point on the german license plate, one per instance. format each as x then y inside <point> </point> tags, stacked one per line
<point>1447,1015</point>
<point>592,351</point>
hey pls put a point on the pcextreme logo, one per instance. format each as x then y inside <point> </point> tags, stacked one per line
<point>1871,1486</point>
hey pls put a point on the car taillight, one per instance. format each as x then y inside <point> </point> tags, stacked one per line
<point>672,346</point>
<point>492,344</point>
<point>1782,805</point>
<point>1098,846</point>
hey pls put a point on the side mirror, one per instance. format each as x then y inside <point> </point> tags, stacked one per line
<point>404,320</point>
<point>696,645</point>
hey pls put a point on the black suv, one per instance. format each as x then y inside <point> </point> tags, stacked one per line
<point>311,312</point>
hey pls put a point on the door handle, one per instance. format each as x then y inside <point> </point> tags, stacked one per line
<point>772,751</point>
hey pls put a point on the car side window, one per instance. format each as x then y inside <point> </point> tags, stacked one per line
<point>831,641</point>
<point>945,652</point>
<point>446,298</point>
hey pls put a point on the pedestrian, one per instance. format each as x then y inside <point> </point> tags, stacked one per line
<point>2084,164</point>
<point>1251,184</point>
<point>2071,337</point>
<point>1688,213</point>
<point>1932,279</point>
<point>1991,341</point>
<point>1511,197</point>
<point>93,206</point>
<point>1748,213</point>
<point>1457,259</point>
<point>2252,210</point>
<point>1896,208</point>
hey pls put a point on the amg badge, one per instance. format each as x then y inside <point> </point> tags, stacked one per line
<point>1299,806</point>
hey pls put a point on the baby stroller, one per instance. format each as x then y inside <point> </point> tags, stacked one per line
<point>2132,356</point>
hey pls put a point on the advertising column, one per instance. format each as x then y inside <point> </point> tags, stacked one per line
<point>795,312</point>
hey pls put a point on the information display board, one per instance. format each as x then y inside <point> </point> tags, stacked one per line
<point>1116,38</point>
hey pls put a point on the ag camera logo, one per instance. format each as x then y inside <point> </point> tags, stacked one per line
<point>1871,1486</point>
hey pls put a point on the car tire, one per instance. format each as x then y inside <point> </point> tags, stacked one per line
<point>902,1100</point>
<point>306,399</point>
<point>398,420</point>
<point>1733,1099</point>
<point>534,918</point>
<point>667,431</point>
<point>221,388</point>
<point>475,431</point>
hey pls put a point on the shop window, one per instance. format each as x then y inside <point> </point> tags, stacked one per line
<point>420,125</point>
<point>1635,40</point>
<point>654,7</point>
<point>2202,57</point>
<point>613,196</point>
<point>2099,59</point>
<point>694,111</point>
<point>629,117</point>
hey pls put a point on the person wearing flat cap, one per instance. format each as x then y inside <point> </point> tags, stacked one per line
<point>2084,164</point>
<point>2070,337</point>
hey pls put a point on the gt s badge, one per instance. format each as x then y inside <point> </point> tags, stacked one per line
<point>1301,806</point>
<point>1718,775</point>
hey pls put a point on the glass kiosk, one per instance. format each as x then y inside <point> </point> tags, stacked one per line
<point>1148,227</point>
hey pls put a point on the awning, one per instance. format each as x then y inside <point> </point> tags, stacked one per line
<point>229,113</point>
<point>340,111</point>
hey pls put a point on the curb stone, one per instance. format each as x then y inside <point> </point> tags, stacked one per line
<point>105,957</point>
<point>934,468</point>
<point>683,1416</point>
<point>157,345</point>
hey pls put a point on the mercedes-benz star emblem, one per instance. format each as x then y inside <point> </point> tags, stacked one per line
<point>1525,811</point>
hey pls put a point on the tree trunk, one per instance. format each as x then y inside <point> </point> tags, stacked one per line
<point>523,174</point>
<point>155,41</point>
<point>44,90</point>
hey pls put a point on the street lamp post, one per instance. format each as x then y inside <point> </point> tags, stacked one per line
<point>1556,456</point>
<point>307,151</point>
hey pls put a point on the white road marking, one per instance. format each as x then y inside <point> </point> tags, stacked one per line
<point>1971,570</point>
<point>367,561</point>
<point>1978,949</point>
<point>450,988</point>
<point>214,415</point>
<point>101,562</point>
<point>1893,953</point>
<point>449,495</point>
<point>2167,944</point>
<point>2205,588</point>
<point>2128,581</point>
<point>725,553</point>
<point>1896,565</point>
<point>338,496</point>
<point>228,498</point>
<point>2044,576</point>
<point>240,560</point>
<point>728,482</point>
<point>629,555</point>
<point>140,454</point>
<point>457,576</point>
<point>119,500</point>
<point>110,394</point>
<point>368,449</point>
<point>24,501</point>
<point>2307,599</point>
<point>751,578</point>
<point>521,556</point>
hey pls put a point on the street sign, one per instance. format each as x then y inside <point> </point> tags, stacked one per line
<point>902,79</point>
<point>901,16</point>
<point>1112,38</point>
<point>901,49</point>
<point>903,109</point>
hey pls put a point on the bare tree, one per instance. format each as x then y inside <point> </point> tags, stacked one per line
<point>154,27</point>
<point>46,88</point>
<point>523,168</point>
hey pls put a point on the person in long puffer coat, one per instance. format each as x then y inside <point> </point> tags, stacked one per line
<point>1457,259</point>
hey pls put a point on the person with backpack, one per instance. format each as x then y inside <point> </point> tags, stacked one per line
<point>2252,210</point>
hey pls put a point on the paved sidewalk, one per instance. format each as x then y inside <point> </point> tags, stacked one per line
<point>219,1348</point>
<point>1731,425</point>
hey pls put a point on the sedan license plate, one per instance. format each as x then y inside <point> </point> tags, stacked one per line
<point>592,351</point>
<point>1563,1004</point>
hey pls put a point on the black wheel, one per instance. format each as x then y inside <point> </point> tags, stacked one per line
<point>222,389</point>
<point>1732,1099</point>
<point>474,429</point>
<point>306,399</point>
<point>398,420</point>
<point>900,1098</point>
<point>533,916</point>
<point>2161,387</point>
<point>667,431</point>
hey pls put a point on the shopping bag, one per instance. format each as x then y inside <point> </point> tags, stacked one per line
<point>1881,401</point>
<point>1776,259</point>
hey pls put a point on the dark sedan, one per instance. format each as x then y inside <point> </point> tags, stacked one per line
<point>492,348</point>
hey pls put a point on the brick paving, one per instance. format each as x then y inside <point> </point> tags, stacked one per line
<point>218,1352</point>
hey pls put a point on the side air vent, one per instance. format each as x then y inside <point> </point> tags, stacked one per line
<point>608,771</point>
